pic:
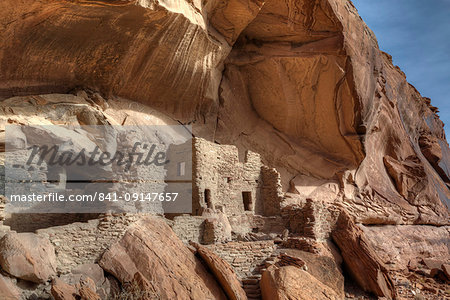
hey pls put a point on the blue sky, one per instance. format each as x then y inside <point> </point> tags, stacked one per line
<point>417,35</point>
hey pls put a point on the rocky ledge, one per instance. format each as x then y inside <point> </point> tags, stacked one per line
<point>347,166</point>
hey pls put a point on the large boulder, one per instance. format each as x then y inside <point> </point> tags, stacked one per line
<point>223,272</point>
<point>8,291</point>
<point>93,274</point>
<point>63,291</point>
<point>290,282</point>
<point>27,256</point>
<point>361,260</point>
<point>303,83</point>
<point>84,289</point>
<point>323,266</point>
<point>152,249</point>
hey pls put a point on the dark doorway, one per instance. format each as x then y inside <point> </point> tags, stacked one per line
<point>247,198</point>
<point>208,198</point>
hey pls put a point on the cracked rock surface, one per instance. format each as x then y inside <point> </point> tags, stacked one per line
<point>302,83</point>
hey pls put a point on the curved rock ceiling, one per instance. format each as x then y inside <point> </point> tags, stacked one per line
<point>301,82</point>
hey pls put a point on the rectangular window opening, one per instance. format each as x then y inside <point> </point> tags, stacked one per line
<point>207,198</point>
<point>181,170</point>
<point>247,199</point>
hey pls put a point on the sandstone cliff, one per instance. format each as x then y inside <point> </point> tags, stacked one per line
<point>301,82</point>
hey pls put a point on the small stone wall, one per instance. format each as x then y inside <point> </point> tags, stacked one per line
<point>30,222</point>
<point>325,217</point>
<point>314,220</point>
<point>247,223</point>
<point>246,258</point>
<point>82,243</point>
<point>271,192</point>
<point>222,182</point>
<point>189,228</point>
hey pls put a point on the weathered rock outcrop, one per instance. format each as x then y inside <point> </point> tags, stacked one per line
<point>290,282</point>
<point>87,278</point>
<point>8,291</point>
<point>317,84</point>
<point>324,268</point>
<point>301,82</point>
<point>84,289</point>
<point>403,246</point>
<point>27,256</point>
<point>151,249</point>
<point>361,260</point>
<point>223,272</point>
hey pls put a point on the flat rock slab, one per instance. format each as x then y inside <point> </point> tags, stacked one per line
<point>361,260</point>
<point>8,291</point>
<point>290,282</point>
<point>223,272</point>
<point>27,256</point>
<point>151,248</point>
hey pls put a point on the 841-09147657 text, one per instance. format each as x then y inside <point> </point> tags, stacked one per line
<point>97,196</point>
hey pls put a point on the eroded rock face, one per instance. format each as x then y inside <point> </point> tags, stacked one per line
<point>27,256</point>
<point>290,282</point>
<point>323,267</point>
<point>84,278</point>
<point>63,291</point>
<point>130,43</point>
<point>152,249</point>
<point>301,82</point>
<point>8,291</point>
<point>402,246</point>
<point>83,289</point>
<point>361,260</point>
<point>317,84</point>
<point>223,272</point>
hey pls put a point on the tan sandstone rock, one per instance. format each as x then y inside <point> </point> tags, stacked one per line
<point>323,267</point>
<point>361,260</point>
<point>27,256</point>
<point>310,90</point>
<point>303,83</point>
<point>290,282</point>
<point>63,291</point>
<point>400,247</point>
<point>151,248</point>
<point>7,289</point>
<point>85,289</point>
<point>102,284</point>
<point>223,272</point>
<point>446,269</point>
<point>88,294</point>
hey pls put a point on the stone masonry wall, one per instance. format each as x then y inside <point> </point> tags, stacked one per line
<point>220,178</point>
<point>325,217</point>
<point>189,228</point>
<point>314,220</point>
<point>246,258</point>
<point>81,243</point>
<point>31,222</point>
<point>272,192</point>
<point>247,223</point>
